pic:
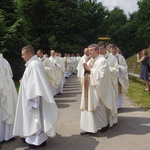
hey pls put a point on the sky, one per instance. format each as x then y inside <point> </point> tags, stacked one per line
<point>129,6</point>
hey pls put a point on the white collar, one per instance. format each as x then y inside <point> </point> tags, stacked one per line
<point>31,59</point>
<point>117,55</point>
<point>96,58</point>
<point>42,58</point>
<point>106,54</point>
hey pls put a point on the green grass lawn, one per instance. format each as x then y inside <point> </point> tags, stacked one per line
<point>137,94</point>
<point>136,91</point>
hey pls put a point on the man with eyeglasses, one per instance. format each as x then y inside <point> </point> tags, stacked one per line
<point>97,105</point>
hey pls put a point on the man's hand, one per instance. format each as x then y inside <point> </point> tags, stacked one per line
<point>86,67</point>
<point>20,80</point>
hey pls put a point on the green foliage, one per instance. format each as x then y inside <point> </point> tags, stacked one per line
<point>13,35</point>
<point>114,27</point>
<point>143,22</point>
<point>73,27</point>
<point>68,27</point>
<point>52,42</point>
<point>2,31</point>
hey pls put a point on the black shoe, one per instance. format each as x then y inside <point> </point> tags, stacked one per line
<point>84,133</point>
<point>104,129</point>
<point>23,140</point>
<point>37,146</point>
<point>12,139</point>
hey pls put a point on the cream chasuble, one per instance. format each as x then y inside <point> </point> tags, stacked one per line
<point>28,120</point>
<point>58,71</point>
<point>100,97</point>
<point>50,71</point>
<point>78,59</point>
<point>123,73</point>
<point>8,100</point>
<point>123,80</point>
<point>114,69</point>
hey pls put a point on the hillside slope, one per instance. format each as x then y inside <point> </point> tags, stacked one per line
<point>133,66</point>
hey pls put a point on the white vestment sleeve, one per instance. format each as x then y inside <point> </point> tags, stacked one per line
<point>34,102</point>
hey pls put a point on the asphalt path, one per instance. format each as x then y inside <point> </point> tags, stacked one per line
<point>132,132</point>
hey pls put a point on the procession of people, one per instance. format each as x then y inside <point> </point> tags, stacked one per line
<point>33,113</point>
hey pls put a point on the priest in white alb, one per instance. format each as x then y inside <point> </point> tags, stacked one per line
<point>62,69</point>
<point>49,69</point>
<point>78,57</point>
<point>36,112</point>
<point>70,64</point>
<point>80,69</point>
<point>123,79</point>
<point>8,101</point>
<point>113,68</point>
<point>59,68</point>
<point>97,102</point>
<point>74,64</point>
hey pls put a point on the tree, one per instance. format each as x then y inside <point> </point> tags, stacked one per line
<point>143,21</point>
<point>113,26</point>
<point>2,31</point>
<point>13,36</point>
<point>70,26</point>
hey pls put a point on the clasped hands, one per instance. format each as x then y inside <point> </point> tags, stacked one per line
<point>86,67</point>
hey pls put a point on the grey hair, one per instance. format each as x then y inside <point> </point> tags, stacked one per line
<point>95,46</point>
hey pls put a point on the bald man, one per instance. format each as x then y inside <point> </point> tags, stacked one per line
<point>84,59</point>
<point>49,69</point>
<point>59,69</point>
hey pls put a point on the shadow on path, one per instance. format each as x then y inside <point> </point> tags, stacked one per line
<point>127,125</point>
<point>130,109</point>
<point>74,142</point>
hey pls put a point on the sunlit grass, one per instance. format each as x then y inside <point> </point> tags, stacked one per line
<point>137,94</point>
<point>17,85</point>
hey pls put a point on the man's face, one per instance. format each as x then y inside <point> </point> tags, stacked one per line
<point>102,50</point>
<point>93,52</point>
<point>86,52</point>
<point>26,56</point>
<point>113,51</point>
<point>59,55</point>
<point>53,53</point>
<point>39,54</point>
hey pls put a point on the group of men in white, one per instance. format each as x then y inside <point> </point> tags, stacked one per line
<point>104,78</point>
<point>33,114</point>
<point>58,68</point>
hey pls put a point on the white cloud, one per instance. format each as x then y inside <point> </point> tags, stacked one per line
<point>129,6</point>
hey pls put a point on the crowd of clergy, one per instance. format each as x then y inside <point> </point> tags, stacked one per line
<point>32,113</point>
